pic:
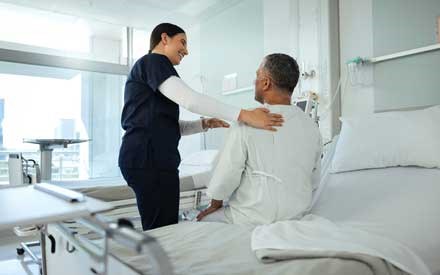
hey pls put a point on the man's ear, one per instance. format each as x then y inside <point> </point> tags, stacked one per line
<point>267,84</point>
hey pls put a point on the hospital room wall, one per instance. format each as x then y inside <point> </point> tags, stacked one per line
<point>411,81</point>
<point>268,28</point>
<point>356,39</point>
<point>370,28</point>
<point>229,45</point>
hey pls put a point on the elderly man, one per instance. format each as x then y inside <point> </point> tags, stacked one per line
<point>268,176</point>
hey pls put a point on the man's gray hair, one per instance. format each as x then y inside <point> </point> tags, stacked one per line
<point>283,70</point>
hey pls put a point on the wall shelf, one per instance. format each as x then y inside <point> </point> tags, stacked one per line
<point>405,53</point>
<point>238,91</point>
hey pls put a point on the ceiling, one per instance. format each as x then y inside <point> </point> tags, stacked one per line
<point>136,13</point>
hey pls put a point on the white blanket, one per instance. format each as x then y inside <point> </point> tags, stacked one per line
<point>316,236</point>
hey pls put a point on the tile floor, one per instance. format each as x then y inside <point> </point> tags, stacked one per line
<point>10,262</point>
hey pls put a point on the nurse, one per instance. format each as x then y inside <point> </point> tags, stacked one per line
<point>148,156</point>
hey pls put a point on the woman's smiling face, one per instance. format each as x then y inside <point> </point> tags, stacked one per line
<point>175,47</point>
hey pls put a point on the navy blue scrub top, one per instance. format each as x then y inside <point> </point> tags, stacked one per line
<point>150,120</point>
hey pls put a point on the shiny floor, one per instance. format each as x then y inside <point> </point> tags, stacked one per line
<point>10,262</point>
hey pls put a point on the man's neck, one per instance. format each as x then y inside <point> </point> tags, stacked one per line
<point>279,99</point>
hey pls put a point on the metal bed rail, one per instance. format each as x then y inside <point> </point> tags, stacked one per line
<point>121,233</point>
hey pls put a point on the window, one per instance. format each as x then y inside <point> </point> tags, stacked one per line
<point>47,102</point>
<point>73,88</point>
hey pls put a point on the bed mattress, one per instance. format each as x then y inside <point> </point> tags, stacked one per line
<point>400,203</point>
<point>215,248</point>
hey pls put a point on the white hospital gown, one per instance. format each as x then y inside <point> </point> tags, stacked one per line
<point>268,176</point>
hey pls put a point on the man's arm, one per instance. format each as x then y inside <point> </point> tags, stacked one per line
<point>316,175</point>
<point>227,174</point>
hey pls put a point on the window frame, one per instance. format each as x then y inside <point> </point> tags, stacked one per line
<point>80,64</point>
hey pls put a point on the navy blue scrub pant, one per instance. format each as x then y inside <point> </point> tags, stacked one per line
<point>157,195</point>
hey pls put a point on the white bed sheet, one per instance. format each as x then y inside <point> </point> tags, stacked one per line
<point>191,177</point>
<point>400,203</point>
<point>194,176</point>
<point>208,248</point>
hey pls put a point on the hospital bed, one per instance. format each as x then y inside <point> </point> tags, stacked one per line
<point>201,248</point>
<point>375,203</point>
<point>398,204</point>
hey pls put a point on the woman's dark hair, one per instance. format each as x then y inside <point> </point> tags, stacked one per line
<point>168,28</point>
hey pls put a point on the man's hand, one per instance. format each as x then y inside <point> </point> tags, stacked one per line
<point>209,123</point>
<point>214,206</point>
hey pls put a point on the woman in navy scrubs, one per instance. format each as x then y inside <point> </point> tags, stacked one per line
<point>148,156</point>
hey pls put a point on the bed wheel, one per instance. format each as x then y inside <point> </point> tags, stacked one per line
<point>20,251</point>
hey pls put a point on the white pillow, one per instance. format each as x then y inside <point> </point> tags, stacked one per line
<point>389,139</point>
<point>205,157</point>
